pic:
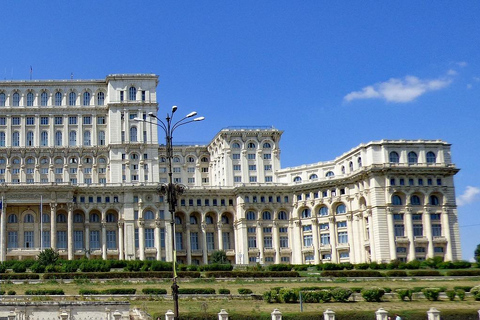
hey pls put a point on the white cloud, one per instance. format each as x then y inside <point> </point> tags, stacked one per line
<point>470,195</point>
<point>399,90</point>
<point>462,64</point>
<point>452,72</point>
<point>469,86</point>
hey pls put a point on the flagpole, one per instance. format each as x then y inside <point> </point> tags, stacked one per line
<point>41,223</point>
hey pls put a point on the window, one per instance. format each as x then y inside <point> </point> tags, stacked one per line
<point>3,121</point>
<point>111,218</point>
<point>29,99</point>
<point>297,179</point>
<point>251,215</point>
<point>418,230</point>
<point>236,156</point>
<point>194,240</point>
<point>252,167</point>
<point>72,138</point>
<point>313,177</point>
<point>415,200</point>
<point>342,224</point>
<point>399,230</point>
<point>210,241</point>
<point>434,200</point>
<point>431,158</point>
<point>12,239</point>
<point>100,98</point>
<point>251,156</point>
<point>28,218</point>
<point>2,139</point>
<point>306,213</point>
<point>435,216</point>
<point>29,141</point>
<point>86,98</point>
<point>132,94</point>
<point>16,139</point>
<point>342,237</point>
<point>412,157</point>
<point>61,239</point>
<point>133,134</point>
<point>252,242</point>
<point>394,157</point>
<point>44,120</point>
<point>94,239</point>
<point>307,228</point>
<point>46,239</point>
<point>16,99</point>
<point>251,145</point>
<point>72,120</point>
<point>87,120</point>
<point>58,138</point>
<point>401,250</point>
<point>341,209</point>
<point>344,255</point>
<point>283,241</point>
<point>396,200</point>
<point>267,156</point>
<point>86,138</point>
<point>16,121</point>
<point>72,97</point>
<point>267,242</point>
<point>398,217</point>
<point>44,99</point>
<point>111,239</point>
<point>436,230</point>
<point>2,99</point>
<point>324,226</point>
<point>307,240</point>
<point>323,211</point>
<point>12,218</point>
<point>282,215</point>
<point>235,145</point>
<point>58,120</point>
<point>28,239</point>
<point>329,174</point>
<point>58,98</point>
<point>267,215</point>
<point>149,238</point>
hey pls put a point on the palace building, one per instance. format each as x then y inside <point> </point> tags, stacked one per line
<point>78,174</point>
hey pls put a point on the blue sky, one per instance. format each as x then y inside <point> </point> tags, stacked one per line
<point>330,74</point>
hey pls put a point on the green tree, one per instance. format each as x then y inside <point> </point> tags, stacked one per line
<point>219,256</point>
<point>477,254</point>
<point>48,257</point>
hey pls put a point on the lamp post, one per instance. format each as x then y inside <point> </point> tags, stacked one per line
<point>172,190</point>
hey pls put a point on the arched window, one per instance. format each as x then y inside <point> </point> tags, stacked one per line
<point>58,138</point>
<point>94,217</point>
<point>2,99</point>
<point>359,160</point>
<point>224,219</point>
<point>178,220</point>
<point>44,139</point>
<point>176,159</point>
<point>190,159</point>
<point>343,169</point>
<point>16,161</point>
<point>350,165</point>
<point>28,218</point>
<point>133,134</point>
<point>267,145</point>
<point>100,98</point>
<point>313,176</point>
<point>193,220</point>
<point>396,200</point>
<point>282,215</point>
<point>102,160</point>
<point>431,158</point>
<point>235,145</point>
<point>132,93</point>
<point>58,98</point>
<point>72,98</point>
<point>45,218</point>
<point>78,218</point>
<point>86,98</point>
<point>266,215</point>
<point>16,139</point>
<point>208,220</point>
<point>16,99</point>
<point>30,160</point>
<point>29,99</point>
<point>149,215</point>
<point>251,215</point>
<point>86,138</point>
<point>251,145</point>
<point>29,141</point>
<point>341,209</point>
<point>434,200</point>
<point>134,156</point>
<point>44,99</point>
<point>306,213</point>
<point>297,179</point>
<point>110,218</point>
<point>101,138</point>
<point>12,218</point>
<point>61,218</point>
<point>394,157</point>
<point>323,211</point>
<point>329,174</point>
<point>2,139</point>
<point>44,160</point>
<point>72,138</point>
<point>412,157</point>
<point>204,159</point>
<point>415,200</point>
<point>58,161</point>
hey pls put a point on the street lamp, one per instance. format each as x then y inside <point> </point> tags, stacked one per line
<point>172,190</point>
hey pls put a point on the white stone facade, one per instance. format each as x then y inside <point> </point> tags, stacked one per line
<point>73,146</point>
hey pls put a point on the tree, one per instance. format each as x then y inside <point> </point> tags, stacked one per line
<point>48,257</point>
<point>477,254</point>
<point>219,256</point>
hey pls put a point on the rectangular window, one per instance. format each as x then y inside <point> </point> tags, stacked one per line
<point>15,120</point>
<point>210,241</point>
<point>307,240</point>
<point>191,180</point>
<point>194,241</point>
<point>439,182</point>
<point>94,239</point>
<point>30,121</point>
<point>178,241</point>
<point>342,224</point>
<point>237,179</point>
<point>3,121</point>
<point>162,237</point>
<point>419,249</point>
<point>111,239</point>
<point>436,230</point>
<point>58,120</point>
<point>78,240</point>
<point>267,156</point>
<point>87,120</point>
<point>392,182</point>
<point>226,240</point>
<point>435,216</point>
<point>283,241</point>
<point>237,167</point>
<point>72,120</point>
<point>43,120</point>
<point>399,230</point>
<point>251,156</point>
<point>430,182</point>
<point>12,239</point>
<point>267,167</point>
<point>402,181</point>
<point>285,259</point>
<point>190,170</point>
<point>325,239</point>
<point>252,167</point>
<point>253,179</point>
<point>251,229</point>
<point>149,238</point>
<point>416,217</point>
<point>267,242</point>
<point>46,240</point>
<point>438,249</point>
<point>324,226</point>
<point>236,156</point>
<point>342,237</point>
<point>420,182</point>
<point>101,120</point>
<point>398,217</point>
<point>268,179</point>
<point>344,255</point>
<point>307,228</point>
<point>252,242</point>
<point>418,230</point>
<point>28,239</point>
<point>62,239</point>
<point>401,250</point>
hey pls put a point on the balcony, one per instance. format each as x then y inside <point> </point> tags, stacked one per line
<point>269,251</point>
<point>181,252</point>
<point>439,240</point>
<point>325,247</point>
<point>150,250</point>
<point>285,250</point>
<point>230,252</point>
<point>308,249</point>
<point>343,246</point>
<point>402,240</point>
<point>421,239</point>
<point>197,252</point>
<point>253,250</point>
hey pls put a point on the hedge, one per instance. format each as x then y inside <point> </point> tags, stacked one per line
<point>17,276</point>
<point>251,274</point>
<point>108,291</point>
<point>352,273</point>
<point>373,294</point>
<point>466,272</point>
<point>396,273</point>
<point>216,267</point>
<point>120,275</point>
<point>88,291</point>
<point>424,273</point>
<point>244,291</point>
<point>43,292</point>
<point>196,291</point>
<point>154,291</point>
<point>223,291</point>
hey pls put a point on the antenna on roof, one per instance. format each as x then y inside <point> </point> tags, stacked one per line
<point>71,75</point>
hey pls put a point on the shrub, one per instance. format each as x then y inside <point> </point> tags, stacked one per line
<point>88,291</point>
<point>345,266</point>
<point>17,276</point>
<point>330,266</point>
<point>196,291</point>
<point>396,273</point>
<point>120,263</point>
<point>37,268</point>
<point>161,266</point>
<point>116,275</point>
<point>134,265</point>
<point>431,294</point>
<point>445,265</point>
<point>424,273</point>
<point>462,264</point>
<point>316,296</point>
<point>119,291</point>
<point>351,273</point>
<point>251,274</point>
<point>11,292</point>
<point>387,289</point>
<point>288,295</point>
<point>460,294</point>
<point>43,292</point>
<point>93,266</point>
<point>377,266</point>
<point>279,267</point>
<point>19,267</point>
<point>356,289</point>
<point>362,266</point>
<point>300,267</point>
<point>457,273</point>
<point>404,293</point>
<point>3,268</point>
<point>70,266</point>
<point>48,257</point>
<point>475,291</point>
<point>216,267</point>
<point>154,291</point>
<point>464,288</point>
<point>244,291</point>
<point>451,294</point>
<point>415,264</point>
<point>341,294</point>
<point>224,291</point>
<point>373,294</point>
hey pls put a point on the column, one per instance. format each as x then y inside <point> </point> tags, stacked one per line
<point>316,246</point>
<point>427,226</point>
<point>157,240</point>
<point>121,241</point>
<point>219,236</point>
<point>87,237</point>
<point>297,256</point>
<point>104,239</point>
<point>260,242</point>
<point>168,242</point>
<point>3,228</point>
<point>351,238</point>
<point>53,225</point>
<point>141,238</point>
<point>276,241</point>
<point>333,238</point>
<point>204,243</point>
<point>188,247</point>
<point>391,234</point>
<point>409,230</point>
<point>371,240</point>
<point>70,232</point>
<point>446,232</point>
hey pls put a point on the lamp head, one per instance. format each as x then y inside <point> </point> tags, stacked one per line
<point>137,119</point>
<point>199,119</point>
<point>151,114</point>
<point>191,114</point>
<point>174,108</point>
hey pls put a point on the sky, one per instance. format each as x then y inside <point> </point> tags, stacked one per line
<point>331,74</point>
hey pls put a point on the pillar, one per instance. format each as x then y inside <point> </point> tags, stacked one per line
<point>333,238</point>
<point>169,315</point>
<point>188,247</point>
<point>260,244</point>
<point>157,240</point>
<point>329,315</point>
<point>53,226</point>
<point>433,314</point>
<point>141,239</point>
<point>223,315</point>
<point>121,241</point>
<point>391,234</point>
<point>276,314</point>
<point>276,241</point>
<point>446,230</point>
<point>104,240</point>
<point>204,243</point>
<point>3,229</point>
<point>381,314</point>
<point>70,232</point>
<point>87,238</point>
<point>409,231</point>
<point>427,226</point>
<point>316,246</point>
